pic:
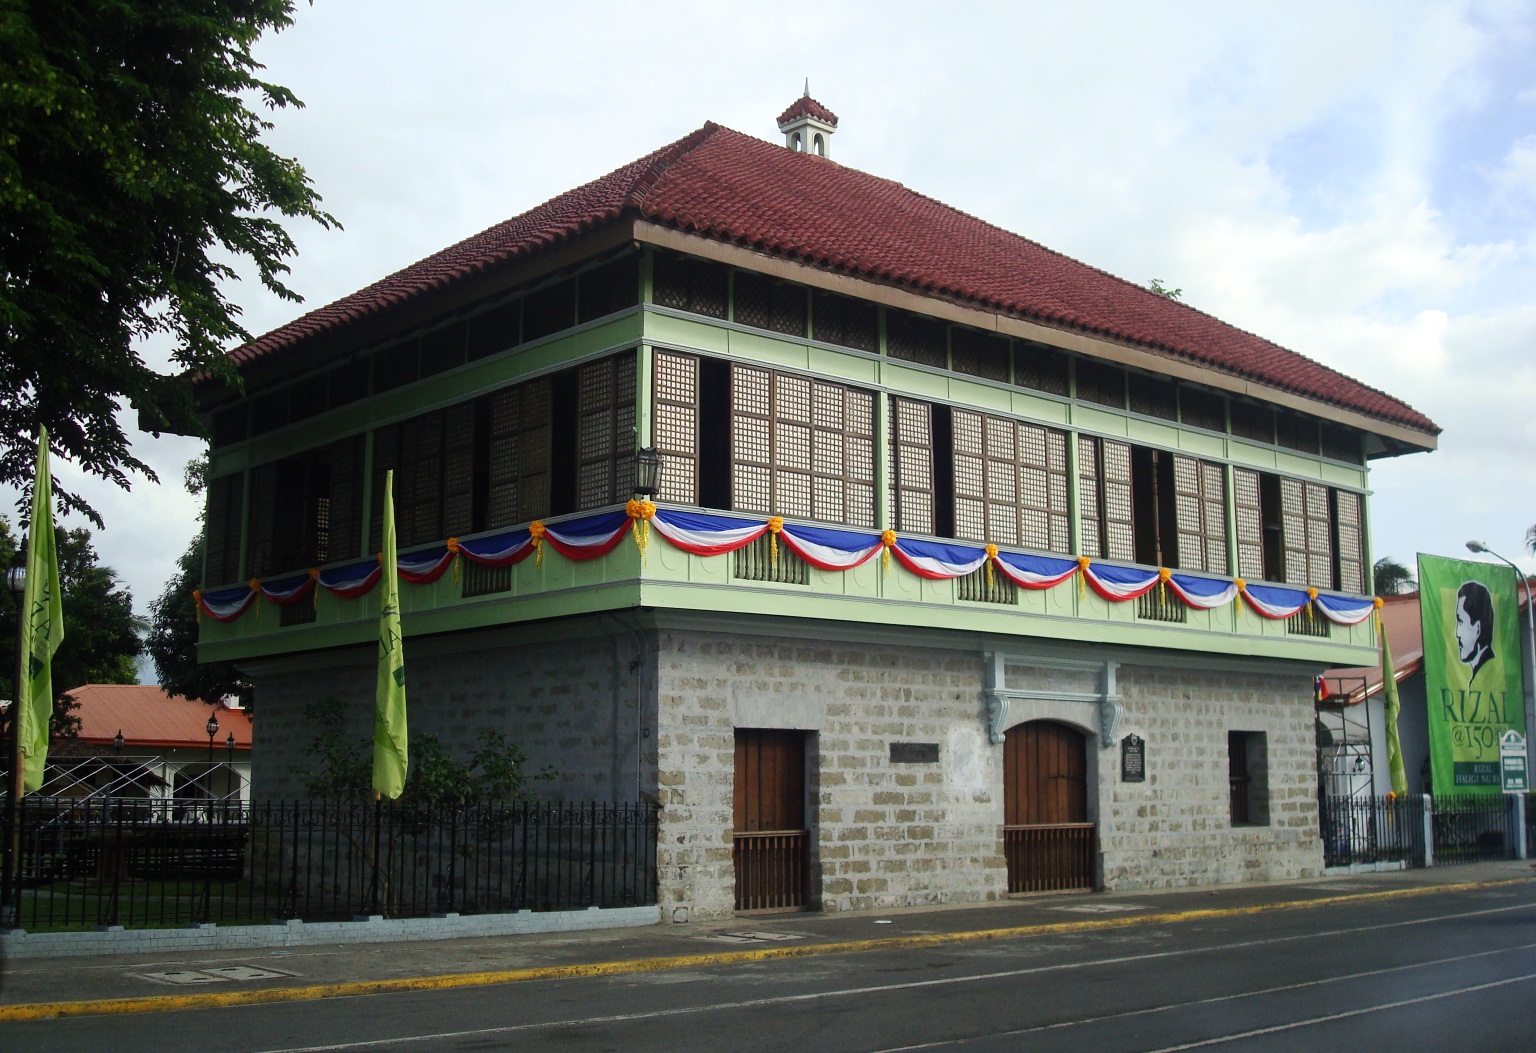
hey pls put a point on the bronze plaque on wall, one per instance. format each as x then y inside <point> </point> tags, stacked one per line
<point>1133,759</point>
<point>914,753</point>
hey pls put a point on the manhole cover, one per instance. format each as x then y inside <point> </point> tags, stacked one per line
<point>1101,908</point>
<point>217,974</point>
<point>752,937</point>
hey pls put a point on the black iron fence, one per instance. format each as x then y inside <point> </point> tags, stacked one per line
<point>1462,829</point>
<point>155,863</point>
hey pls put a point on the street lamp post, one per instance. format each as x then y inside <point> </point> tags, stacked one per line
<point>16,580</point>
<point>212,727</point>
<point>1530,625</point>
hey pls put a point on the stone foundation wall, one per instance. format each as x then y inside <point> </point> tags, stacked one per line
<point>574,704</point>
<point>883,834</point>
<point>1175,829</point>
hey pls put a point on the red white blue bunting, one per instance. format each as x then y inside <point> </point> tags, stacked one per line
<point>705,534</point>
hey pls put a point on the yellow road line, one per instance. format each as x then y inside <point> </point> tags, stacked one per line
<point>208,1000</point>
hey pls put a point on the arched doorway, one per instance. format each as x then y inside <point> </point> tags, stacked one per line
<point>1047,838</point>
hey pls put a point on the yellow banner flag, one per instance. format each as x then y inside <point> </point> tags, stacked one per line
<point>42,628</point>
<point>390,748</point>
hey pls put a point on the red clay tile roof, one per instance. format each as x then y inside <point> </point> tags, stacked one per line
<point>805,106</point>
<point>724,185</point>
<point>147,716</point>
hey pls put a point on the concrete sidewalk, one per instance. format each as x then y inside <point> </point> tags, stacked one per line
<point>148,982</point>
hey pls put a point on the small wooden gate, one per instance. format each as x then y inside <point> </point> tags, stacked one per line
<point>1047,839</point>
<point>771,844</point>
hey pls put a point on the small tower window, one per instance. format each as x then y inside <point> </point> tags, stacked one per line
<point>820,145</point>
<point>796,143</point>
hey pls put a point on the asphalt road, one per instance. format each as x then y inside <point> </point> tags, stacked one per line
<point>1443,971</point>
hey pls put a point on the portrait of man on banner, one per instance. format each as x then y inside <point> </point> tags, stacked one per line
<point>1472,671</point>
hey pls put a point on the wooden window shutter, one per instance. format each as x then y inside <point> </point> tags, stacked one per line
<point>259,539</point>
<point>458,470</point>
<point>1293,530</point>
<point>222,554</point>
<point>970,475</point>
<point>1250,524</point>
<point>912,465</point>
<point>1319,536</point>
<point>504,410</point>
<point>751,440</point>
<point>345,499</point>
<point>1351,541</point>
<point>1091,497</point>
<point>677,426</point>
<point>533,450</point>
<point>605,440</point>
<point>1200,513</point>
<point>1119,532</point>
<point>419,482</point>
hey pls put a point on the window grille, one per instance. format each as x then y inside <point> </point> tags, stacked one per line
<point>1104,473</point>
<point>477,580</point>
<point>1153,396</point>
<point>913,338</point>
<point>229,425</point>
<point>1161,605</point>
<point>1040,367</point>
<point>443,349</point>
<point>549,310</point>
<point>1297,431</point>
<point>300,612</point>
<point>1342,444</point>
<point>685,283</point>
<point>1100,382</point>
<point>1251,420</point>
<point>975,588</point>
<point>307,399</point>
<point>347,384</point>
<point>755,562</point>
<point>269,412</point>
<point>845,321</point>
<point>610,288</point>
<point>1309,622</point>
<point>1248,504</point>
<point>1202,409</point>
<point>979,354</point>
<point>260,513</point>
<point>518,459</point>
<point>765,303</point>
<point>396,366</point>
<point>495,330</point>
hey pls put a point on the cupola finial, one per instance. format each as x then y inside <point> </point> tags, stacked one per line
<point>807,125</point>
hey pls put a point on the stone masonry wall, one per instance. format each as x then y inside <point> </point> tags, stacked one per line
<point>1175,828</point>
<point>884,834</point>
<point>574,704</point>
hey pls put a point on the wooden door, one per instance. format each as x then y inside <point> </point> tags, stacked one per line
<point>770,842</point>
<point>1047,838</point>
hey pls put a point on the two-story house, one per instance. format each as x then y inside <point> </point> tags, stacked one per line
<point>969,568</point>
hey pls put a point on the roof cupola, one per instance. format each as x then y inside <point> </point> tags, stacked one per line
<point>808,125</point>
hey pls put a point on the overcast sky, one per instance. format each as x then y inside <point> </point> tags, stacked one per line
<point>1355,181</point>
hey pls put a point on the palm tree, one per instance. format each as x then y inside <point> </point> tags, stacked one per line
<point>1530,540</point>
<point>1391,577</point>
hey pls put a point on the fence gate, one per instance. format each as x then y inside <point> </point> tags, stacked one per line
<point>771,842</point>
<point>1047,838</point>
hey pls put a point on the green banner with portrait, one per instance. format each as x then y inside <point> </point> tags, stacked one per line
<point>1471,670</point>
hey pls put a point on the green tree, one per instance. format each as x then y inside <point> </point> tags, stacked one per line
<point>1391,577</point>
<point>101,632</point>
<point>172,639</point>
<point>1158,287</point>
<point>133,181</point>
<point>343,766</point>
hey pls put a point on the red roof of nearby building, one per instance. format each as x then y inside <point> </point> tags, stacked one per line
<point>805,106</point>
<point>1405,635</point>
<point>147,716</point>
<point>730,187</point>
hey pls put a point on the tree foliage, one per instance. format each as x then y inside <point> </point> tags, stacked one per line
<point>1391,577</point>
<point>172,639</point>
<point>1158,287</point>
<point>342,767</point>
<point>133,180</point>
<point>101,633</point>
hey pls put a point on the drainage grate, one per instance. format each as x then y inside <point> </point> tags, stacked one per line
<point>215,975</point>
<point>1102,908</point>
<point>752,937</point>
